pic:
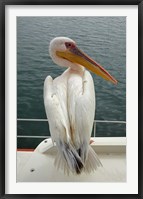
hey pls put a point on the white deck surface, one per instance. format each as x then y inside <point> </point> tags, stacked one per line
<point>38,166</point>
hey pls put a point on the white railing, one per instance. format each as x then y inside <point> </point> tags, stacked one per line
<point>46,120</point>
<point>32,136</point>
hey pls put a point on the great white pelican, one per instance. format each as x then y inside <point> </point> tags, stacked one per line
<point>69,102</point>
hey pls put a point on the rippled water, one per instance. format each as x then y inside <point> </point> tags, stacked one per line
<point>102,38</point>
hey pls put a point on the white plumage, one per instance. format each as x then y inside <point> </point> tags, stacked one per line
<point>70,106</point>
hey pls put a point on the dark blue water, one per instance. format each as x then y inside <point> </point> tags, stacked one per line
<point>102,38</point>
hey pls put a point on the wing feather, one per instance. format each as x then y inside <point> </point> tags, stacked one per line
<point>55,114</point>
<point>81,106</point>
<point>85,108</point>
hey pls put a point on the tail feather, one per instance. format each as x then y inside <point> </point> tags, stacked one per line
<point>68,158</point>
<point>92,161</point>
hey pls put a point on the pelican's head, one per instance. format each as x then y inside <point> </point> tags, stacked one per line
<point>64,52</point>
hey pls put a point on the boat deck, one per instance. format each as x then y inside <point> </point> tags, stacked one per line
<point>38,165</point>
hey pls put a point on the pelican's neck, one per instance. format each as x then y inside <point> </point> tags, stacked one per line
<point>77,68</point>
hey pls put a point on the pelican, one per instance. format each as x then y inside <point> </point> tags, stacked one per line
<point>69,102</point>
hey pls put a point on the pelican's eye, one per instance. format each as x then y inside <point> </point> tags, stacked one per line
<point>69,44</point>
